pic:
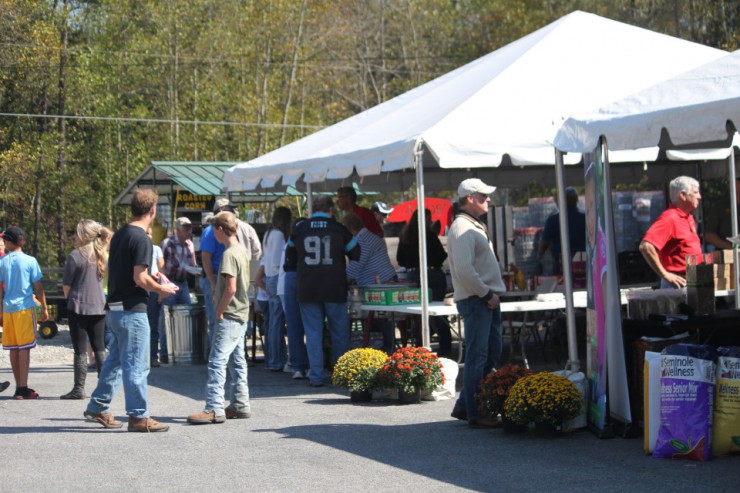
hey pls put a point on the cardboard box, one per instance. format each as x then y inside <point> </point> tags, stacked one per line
<point>700,275</point>
<point>723,271</point>
<point>723,284</point>
<point>392,296</point>
<point>723,256</point>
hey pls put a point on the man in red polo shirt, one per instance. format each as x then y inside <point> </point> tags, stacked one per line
<point>673,235</point>
<point>347,201</point>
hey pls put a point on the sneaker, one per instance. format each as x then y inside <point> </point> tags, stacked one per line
<point>4,385</point>
<point>236,414</point>
<point>299,375</point>
<point>26,394</point>
<point>164,359</point>
<point>105,419</point>
<point>287,368</point>
<point>205,417</point>
<point>145,425</point>
<point>154,364</point>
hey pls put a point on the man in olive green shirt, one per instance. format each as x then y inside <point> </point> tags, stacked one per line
<point>232,311</point>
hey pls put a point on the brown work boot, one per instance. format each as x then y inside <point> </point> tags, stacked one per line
<point>145,425</point>
<point>232,413</point>
<point>205,417</point>
<point>105,419</point>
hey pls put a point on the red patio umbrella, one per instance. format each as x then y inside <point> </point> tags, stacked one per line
<point>440,208</point>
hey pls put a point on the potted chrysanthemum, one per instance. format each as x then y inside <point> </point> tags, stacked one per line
<point>495,388</point>
<point>543,398</point>
<point>410,370</point>
<point>357,370</point>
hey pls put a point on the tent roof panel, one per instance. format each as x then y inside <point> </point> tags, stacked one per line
<point>510,102</point>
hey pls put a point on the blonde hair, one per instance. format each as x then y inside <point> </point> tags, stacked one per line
<point>94,238</point>
<point>226,220</point>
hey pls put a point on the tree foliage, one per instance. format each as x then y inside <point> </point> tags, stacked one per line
<point>230,80</point>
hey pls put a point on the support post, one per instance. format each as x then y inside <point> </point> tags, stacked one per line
<point>573,363</point>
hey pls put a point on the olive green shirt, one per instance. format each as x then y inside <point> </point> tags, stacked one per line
<point>235,263</point>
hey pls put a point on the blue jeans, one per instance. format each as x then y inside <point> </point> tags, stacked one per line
<point>127,363</point>
<point>154,314</point>
<point>294,324</point>
<point>228,343</point>
<point>182,297</point>
<point>277,353</point>
<point>313,321</point>
<point>483,347</point>
<point>667,285</point>
<point>205,287</point>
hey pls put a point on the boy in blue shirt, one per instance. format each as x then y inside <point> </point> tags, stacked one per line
<point>20,276</point>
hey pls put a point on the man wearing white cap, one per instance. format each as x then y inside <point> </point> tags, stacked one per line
<point>381,211</point>
<point>477,279</point>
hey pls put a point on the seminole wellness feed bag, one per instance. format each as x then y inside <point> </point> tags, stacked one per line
<point>687,377</point>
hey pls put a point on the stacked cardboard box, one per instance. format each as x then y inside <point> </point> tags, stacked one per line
<point>724,277</point>
<point>700,287</point>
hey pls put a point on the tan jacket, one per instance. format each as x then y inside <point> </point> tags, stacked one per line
<point>473,265</point>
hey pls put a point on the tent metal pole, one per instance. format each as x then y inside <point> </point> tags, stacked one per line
<point>733,214</point>
<point>570,318</point>
<point>423,277</point>
<point>309,199</point>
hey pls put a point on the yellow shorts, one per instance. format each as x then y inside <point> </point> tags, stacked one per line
<point>19,329</point>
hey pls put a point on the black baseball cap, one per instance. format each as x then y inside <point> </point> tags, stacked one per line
<point>15,235</point>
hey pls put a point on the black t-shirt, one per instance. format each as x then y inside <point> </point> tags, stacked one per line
<point>129,247</point>
<point>407,254</point>
<point>318,246</point>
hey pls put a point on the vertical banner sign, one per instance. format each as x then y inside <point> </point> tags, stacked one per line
<point>596,270</point>
<point>605,349</point>
<point>619,398</point>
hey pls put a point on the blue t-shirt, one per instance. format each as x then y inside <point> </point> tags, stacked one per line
<point>18,271</point>
<point>576,232</point>
<point>209,243</point>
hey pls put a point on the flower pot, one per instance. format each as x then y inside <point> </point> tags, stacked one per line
<point>360,396</point>
<point>548,429</point>
<point>413,397</point>
<point>510,426</point>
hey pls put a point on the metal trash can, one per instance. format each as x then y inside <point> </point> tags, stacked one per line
<point>165,324</point>
<point>187,333</point>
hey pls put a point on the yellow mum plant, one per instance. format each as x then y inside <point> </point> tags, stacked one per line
<point>357,369</point>
<point>543,398</point>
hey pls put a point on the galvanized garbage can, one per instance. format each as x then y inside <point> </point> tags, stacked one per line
<point>188,328</point>
<point>166,324</point>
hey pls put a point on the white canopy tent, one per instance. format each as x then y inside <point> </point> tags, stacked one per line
<point>697,109</point>
<point>501,110</point>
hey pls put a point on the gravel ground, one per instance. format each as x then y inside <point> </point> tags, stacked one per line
<point>54,351</point>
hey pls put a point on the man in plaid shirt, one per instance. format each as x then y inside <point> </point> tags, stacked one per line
<point>179,254</point>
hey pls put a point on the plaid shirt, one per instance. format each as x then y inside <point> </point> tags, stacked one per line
<point>177,257</point>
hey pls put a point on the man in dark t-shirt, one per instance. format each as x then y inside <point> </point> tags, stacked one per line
<point>129,282</point>
<point>318,248</point>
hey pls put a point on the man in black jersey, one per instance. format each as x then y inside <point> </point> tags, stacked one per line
<point>318,248</point>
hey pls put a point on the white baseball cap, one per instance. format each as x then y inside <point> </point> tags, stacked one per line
<point>474,185</point>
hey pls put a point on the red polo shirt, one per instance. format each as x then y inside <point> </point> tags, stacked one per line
<point>673,234</point>
<point>368,219</point>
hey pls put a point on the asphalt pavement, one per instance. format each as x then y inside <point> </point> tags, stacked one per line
<point>310,439</point>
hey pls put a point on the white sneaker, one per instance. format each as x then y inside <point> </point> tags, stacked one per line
<point>287,368</point>
<point>298,375</point>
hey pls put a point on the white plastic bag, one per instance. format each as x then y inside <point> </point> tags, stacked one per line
<point>445,391</point>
